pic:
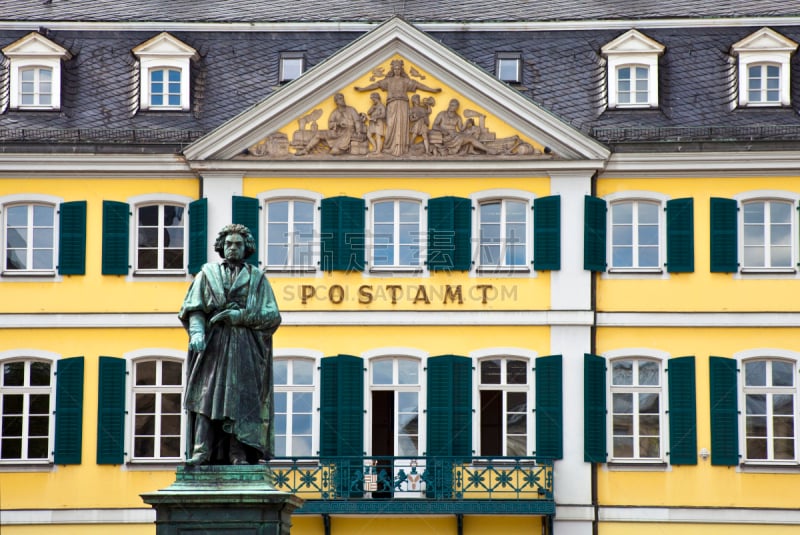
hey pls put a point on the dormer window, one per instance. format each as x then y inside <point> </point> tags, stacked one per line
<point>632,61</point>
<point>508,67</point>
<point>764,58</point>
<point>292,65</point>
<point>35,73</point>
<point>164,68</point>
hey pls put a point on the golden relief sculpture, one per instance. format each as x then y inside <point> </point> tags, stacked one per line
<point>400,128</point>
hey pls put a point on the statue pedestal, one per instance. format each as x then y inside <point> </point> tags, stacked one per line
<point>222,500</point>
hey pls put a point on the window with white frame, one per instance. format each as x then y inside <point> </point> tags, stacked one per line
<point>292,65</point>
<point>157,415</point>
<point>395,406</point>
<point>770,395</point>
<point>29,238</point>
<point>160,237</point>
<point>294,407</point>
<point>767,234</point>
<point>504,231</point>
<point>26,398</point>
<point>632,63</point>
<point>397,231</point>
<point>508,67</point>
<point>505,416</point>
<point>637,400</point>
<point>764,67</point>
<point>35,73</point>
<point>164,73</point>
<point>636,234</point>
<point>290,233</point>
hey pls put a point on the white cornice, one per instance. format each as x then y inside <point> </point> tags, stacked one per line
<point>691,164</point>
<point>522,26</point>
<point>698,319</point>
<point>29,165</point>
<point>336,168</point>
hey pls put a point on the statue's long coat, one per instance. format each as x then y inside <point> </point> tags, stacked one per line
<point>231,380</point>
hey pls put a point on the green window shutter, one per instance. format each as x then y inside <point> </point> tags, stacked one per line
<point>342,227</point>
<point>72,238</point>
<point>449,234</point>
<point>342,406</point>
<point>547,233</point>
<point>116,237</point>
<point>549,407</point>
<point>724,412</point>
<point>111,411</point>
<point>245,212</point>
<point>594,234</point>
<point>680,235</point>
<point>449,410</point>
<point>724,236</point>
<point>682,411</point>
<point>594,409</point>
<point>69,411</point>
<point>198,234</point>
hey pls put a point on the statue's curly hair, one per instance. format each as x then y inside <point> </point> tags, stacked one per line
<point>241,230</point>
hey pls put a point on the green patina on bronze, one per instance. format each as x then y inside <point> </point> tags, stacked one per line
<point>231,314</point>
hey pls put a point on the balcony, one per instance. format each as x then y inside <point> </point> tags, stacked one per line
<point>418,485</point>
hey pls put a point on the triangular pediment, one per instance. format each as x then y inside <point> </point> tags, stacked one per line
<point>633,42</point>
<point>35,44</point>
<point>305,119</point>
<point>764,40</point>
<point>165,45</point>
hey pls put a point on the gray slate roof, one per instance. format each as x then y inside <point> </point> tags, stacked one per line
<point>563,70</point>
<point>379,10</point>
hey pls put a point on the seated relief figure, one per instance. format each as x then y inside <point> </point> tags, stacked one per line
<point>345,125</point>
<point>450,136</point>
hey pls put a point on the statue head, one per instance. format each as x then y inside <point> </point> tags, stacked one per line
<point>397,68</point>
<point>241,230</point>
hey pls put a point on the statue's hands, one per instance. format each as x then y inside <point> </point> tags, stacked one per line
<point>197,342</point>
<point>232,316</point>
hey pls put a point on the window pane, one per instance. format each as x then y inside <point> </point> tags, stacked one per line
<point>622,372</point>
<point>280,402</point>
<point>384,211</point>
<point>782,373</point>
<point>14,374</point>
<point>146,373</point>
<point>516,446</point>
<point>171,403</point>
<point>516,372</point>
<point>490,372</point>
<point>170,446</point>
<point>623,403</point>
<point>301,424</point>
<point>756,404</point>
<point>39,403</point>
<point>144,447</point>
<point>12,404</point>
<point>170,424</point>
<point>302,372</point>
<point>648,403</point>
<point>755,373</point>
<point>37,448</point>
<point>301,446</point>
<point>382,372</point>
<point>40,374</point>
<point>649,425</point>
<point>407,401</point>
<point>782,404</point>
<point>145,424</point>
<point>280,371</point>
<point>171,373</point>
<point>145,403</point>
<point>649,447</point>
<point>648,373</point>
<point>623,446</point>
<point>515,424</point>
<point>302,402</point>
<point>408,371</point>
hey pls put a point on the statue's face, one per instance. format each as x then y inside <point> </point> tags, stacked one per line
<point>234,248</point>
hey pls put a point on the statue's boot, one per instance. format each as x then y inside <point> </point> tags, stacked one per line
<point>201,452</point>
<point>237,454</point>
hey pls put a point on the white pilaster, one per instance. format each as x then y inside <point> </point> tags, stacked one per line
<point>572,476</point>
<point>570,286</point>
<point>219,187</point>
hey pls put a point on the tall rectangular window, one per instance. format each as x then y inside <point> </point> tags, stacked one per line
<point>504,416</point>
<point>395,386</point>
<point>165,87</point>
<point>157,409</point>
<point>503,229</point>
<point>25,390</point>
<point>633,85</point>
<point>770,408</point>
<point>30,237</point>
<point>764,84</point>
<point>635,234</point>
<point>290,234</point>
<point>294,407</point>
<point>767,234</point>
<point>161,237</point>
<point>636,414</point>
<point>396,233</point>
<point>36,86</point>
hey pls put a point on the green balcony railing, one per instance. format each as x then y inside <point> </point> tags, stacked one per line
<point>522,485</point>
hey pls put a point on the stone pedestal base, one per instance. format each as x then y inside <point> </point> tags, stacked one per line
<point>229,500</point>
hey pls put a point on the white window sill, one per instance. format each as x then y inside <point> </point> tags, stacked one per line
<point>786,270</point>
<point>26,273</point>
<point>646,271</point>
<point>503,269</point>
<point>396,269</point>
<point>769,467</point>
<point>39,465</point>
<point>290,269</point>
<point>152,465</point>
<point>638,465</point>
<point>159,273</point>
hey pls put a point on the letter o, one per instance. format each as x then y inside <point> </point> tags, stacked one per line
<point>336,294</point>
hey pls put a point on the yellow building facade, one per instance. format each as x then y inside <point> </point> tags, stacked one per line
<point>524,331</point>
